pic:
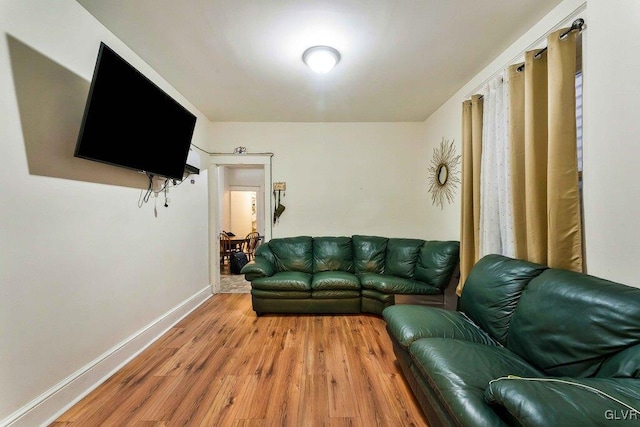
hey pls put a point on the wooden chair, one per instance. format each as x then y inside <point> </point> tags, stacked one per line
<point>226,248</point>
<point>251,242</point>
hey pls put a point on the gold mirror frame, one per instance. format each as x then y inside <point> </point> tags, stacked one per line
<point>443,173</point>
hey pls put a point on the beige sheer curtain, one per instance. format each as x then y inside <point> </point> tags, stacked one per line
<point>471,161</point>
<point>544,168</point>
<point>544,165</point>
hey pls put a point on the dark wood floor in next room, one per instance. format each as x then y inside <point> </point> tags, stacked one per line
<point>223,366</point>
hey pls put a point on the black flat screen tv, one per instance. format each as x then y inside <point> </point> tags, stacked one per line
<point>130,122</point>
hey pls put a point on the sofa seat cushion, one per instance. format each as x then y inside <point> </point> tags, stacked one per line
<point>335,294</point>
<point>408,323</point>
<point>459,371</point>
<point>332,280</point>
<point>279,294</point>
<point>624,364</point>
<point>284,281</point>
<point>566,401</point>
<point>378,296</point>
<point>396,285</point>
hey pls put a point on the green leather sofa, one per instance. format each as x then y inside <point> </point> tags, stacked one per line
<point>529,346</point>
<point>349,274</point>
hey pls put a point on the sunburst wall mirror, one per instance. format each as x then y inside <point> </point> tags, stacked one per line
<point>443,173</point>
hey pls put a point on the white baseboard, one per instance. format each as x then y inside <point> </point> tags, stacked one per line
<point>44,409</point>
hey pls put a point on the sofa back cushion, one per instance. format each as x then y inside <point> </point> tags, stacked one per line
<point>402,256</point>
<point>332,254</point>
<point>436,263</point>
<point>492,290</point>
<point>568,323</point>
<point>369,253</point>
<point>293,253</point>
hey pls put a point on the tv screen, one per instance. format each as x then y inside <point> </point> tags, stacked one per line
<point>130,122</point>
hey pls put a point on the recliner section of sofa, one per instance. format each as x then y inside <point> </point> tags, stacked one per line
<point>529,346</point>
<point>349,274</point>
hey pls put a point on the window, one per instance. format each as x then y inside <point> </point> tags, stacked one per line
<point>579,120</point>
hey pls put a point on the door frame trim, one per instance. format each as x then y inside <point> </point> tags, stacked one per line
<point>217,160</point>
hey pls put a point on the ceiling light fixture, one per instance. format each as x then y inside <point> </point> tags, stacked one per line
<point>321,59</point>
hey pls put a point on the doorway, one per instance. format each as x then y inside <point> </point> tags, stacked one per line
<point>228,174</point>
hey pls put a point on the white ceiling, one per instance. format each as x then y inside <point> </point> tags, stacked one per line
<point>240,60</point>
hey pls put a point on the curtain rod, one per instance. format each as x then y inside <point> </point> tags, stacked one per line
<point>575,26</point>
<point>560,23</point>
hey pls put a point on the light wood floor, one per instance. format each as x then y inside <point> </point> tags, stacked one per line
<point>223,366</point>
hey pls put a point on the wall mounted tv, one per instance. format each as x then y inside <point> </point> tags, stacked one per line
<point>130,122</point>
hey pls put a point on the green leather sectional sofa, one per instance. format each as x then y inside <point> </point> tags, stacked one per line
<point>349,274</point>
<point>529,346</point>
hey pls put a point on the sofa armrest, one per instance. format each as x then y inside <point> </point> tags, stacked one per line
<point>565,401</point>
<point>258,267</point>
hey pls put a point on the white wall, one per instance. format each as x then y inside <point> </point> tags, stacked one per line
<point>82,268</point>
<point>612,140</point>
<point>611,129</point>
<point>445,123</point>
<point>246,177</point>
<point>241,218</point>
<point>251,177</point>
<point>343,178</point>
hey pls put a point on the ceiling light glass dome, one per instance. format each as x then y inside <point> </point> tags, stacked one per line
<point>321,59</point>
